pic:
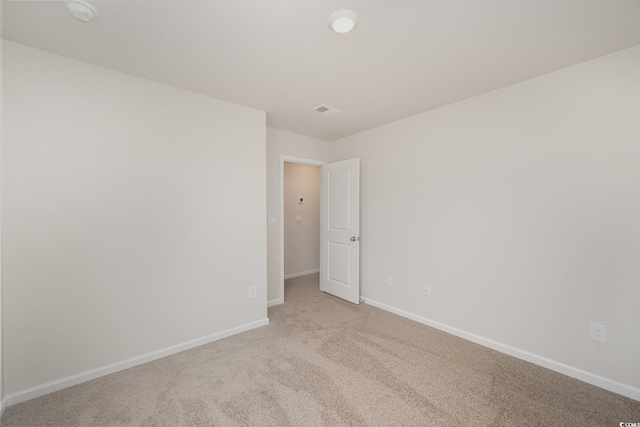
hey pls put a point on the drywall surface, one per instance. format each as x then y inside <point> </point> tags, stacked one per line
<point>133,216</point>
<point>520,209</point>
<point>1,314</point>
<point>301,219</point>
<point>282,143</point>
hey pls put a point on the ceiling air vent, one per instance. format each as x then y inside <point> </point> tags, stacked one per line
<point>325,110</point>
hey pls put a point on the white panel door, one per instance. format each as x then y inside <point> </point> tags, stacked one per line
<point>340,230</point>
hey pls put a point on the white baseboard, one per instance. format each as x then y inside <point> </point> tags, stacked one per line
<point>587,377</point>
<point>56,385</point>
<point>275,302</point>
<point>302,273</point>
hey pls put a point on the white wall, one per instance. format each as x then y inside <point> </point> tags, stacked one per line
<point>2,402</point>
<point>521,209</point>
<point>301,239</point>
<point>281,143</point>
<point>133,216</point>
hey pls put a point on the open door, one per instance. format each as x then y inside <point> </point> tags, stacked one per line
<point>340,230</point>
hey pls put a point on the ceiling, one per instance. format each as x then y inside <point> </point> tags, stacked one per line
<point>405,57</point>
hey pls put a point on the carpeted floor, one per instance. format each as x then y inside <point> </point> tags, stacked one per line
<point>324,361</point>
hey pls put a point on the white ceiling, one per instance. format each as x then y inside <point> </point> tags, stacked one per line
<point>405,57</point>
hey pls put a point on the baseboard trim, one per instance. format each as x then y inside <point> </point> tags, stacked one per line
<point>92,374</point>
<point>276,301</point>
<point>579,374</point>
<point>3,403</point>
<point>302,273</point>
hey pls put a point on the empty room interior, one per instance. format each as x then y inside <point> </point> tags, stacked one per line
<point>301,222</point>
<point>320,212</point>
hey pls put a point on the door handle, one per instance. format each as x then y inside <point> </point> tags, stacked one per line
<point>354,239</point>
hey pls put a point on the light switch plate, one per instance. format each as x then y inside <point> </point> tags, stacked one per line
<point>298,218</point>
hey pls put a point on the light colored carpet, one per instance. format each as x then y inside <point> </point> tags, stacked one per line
<point>323,361</point>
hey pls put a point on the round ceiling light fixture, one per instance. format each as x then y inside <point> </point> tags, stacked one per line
<point>343,21</point>
<point>81,10</point>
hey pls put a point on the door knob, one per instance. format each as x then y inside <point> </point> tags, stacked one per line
<point>354,238</point>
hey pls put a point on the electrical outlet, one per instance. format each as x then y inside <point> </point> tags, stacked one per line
<point>598,332</point>
<point>252,292</point>
<point>390,281</point>
<point>427,290</point>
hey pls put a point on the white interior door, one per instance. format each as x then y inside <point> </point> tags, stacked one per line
<point>340,230</point>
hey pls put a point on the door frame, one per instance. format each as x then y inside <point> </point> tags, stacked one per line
<point>300,160</point>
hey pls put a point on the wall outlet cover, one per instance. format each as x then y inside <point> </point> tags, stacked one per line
<point>598,332</point>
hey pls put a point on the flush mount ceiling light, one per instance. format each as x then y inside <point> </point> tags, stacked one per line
<point>81,10</point>
<point>343,21</point>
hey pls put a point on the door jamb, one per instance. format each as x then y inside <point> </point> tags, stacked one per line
<point>303,161</point>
